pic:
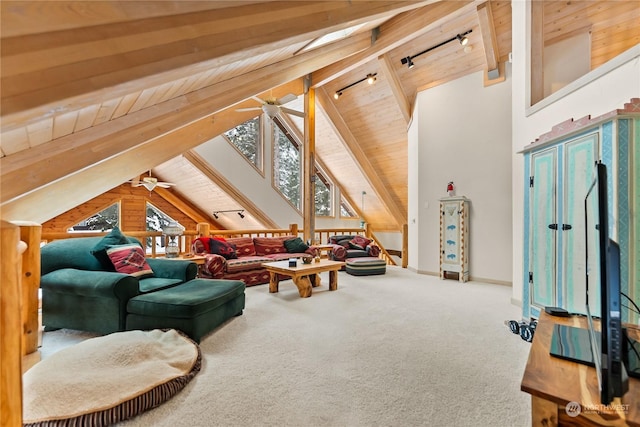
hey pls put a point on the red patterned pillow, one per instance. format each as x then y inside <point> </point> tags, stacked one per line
<point>244,245</point>
<point>271,245</point>
<point>129,259</point>
<point>220,246</point>
<point>359,242</point>
<point>200,245</point>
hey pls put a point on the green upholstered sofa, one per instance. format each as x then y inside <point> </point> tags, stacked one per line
<point>79,293</point>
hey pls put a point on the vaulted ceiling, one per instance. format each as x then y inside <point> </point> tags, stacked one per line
<point>95,93</point>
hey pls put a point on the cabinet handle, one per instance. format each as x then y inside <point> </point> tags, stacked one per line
<point>553,226</point>
<point>566,226</point>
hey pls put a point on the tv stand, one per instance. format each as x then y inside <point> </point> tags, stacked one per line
<point>553,383</point>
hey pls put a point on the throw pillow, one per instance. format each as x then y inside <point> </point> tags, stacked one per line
<point>201,245</point>
<point>295,246</point>
<point>359,242</point>
<point>220,246</point>
<point>114,237</point>
<point>129,259</point>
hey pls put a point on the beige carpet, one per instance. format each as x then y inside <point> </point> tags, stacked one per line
<point>109,378</point>
<point>401,349</point>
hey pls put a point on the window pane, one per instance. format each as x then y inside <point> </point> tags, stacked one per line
<point>287,166</point>
<point>156,220</point>
<point>103,220</point>
<point>246,138</point>
<point>346,210</point>
<point>323,196</point>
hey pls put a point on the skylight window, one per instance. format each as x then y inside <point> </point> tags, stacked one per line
<point>331,37</point>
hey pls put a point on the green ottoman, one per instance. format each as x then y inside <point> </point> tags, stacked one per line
<point>196,307</point>
<point>365,266</point>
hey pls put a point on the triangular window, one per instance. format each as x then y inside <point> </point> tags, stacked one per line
<point>104,220</point>
<point>246,138</point>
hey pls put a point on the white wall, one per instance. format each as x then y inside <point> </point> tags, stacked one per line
<point>461,132</point>
<point>598,92</point>
<point>256,187</point>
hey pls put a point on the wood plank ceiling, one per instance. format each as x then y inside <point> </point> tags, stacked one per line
<point>99,92</point>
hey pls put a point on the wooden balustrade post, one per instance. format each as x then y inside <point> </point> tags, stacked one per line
<point>293,228</point>
<point>203,229</point>
<point>10,322</point>
<point>30,233</point>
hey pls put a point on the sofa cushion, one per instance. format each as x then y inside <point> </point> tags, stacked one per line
<point>220,246</point>
<point>114,237</point>
<point>152,284</point>
<point>188,300</point>
<point>271,245</point>
<point>129,259</point>
<point>295,245</point>
<point>246,263</point>
<point>284,256</point>
<point>244,246</point>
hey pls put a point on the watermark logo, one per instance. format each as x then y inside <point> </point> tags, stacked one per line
<point>573,409</point>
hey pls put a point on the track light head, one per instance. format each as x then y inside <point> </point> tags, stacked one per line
<point>337,95</point>
<point>371,78</point>
<point>215,215</point>
<point>462,39</point>
<point>410,63</point>
<point>241,214</point>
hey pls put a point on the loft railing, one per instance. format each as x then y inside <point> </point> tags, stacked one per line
<point>155,241</point>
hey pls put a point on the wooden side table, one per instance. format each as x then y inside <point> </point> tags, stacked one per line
<point>553,383</point>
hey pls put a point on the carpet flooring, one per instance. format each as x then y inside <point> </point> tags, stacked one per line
<point>400,349</point>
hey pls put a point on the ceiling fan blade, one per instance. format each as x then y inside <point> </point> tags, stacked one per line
<point>165,184</point>
<point>292,112</point>
<point>249,109</point>
<point>287,98</point>
<point>255,98</point>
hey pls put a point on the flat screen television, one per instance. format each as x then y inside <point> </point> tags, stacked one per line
<point>602,349</point>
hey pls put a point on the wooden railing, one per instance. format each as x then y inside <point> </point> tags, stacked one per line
<point>153,240</point>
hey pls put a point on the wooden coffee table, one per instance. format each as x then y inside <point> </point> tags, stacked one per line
<point>304,276</point>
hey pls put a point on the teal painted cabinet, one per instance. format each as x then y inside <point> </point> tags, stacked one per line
<point>558,170</point>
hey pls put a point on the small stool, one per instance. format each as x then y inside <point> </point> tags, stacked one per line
<point>365,266</point>
<point>196,307</point>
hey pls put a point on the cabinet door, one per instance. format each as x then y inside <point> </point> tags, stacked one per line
<point>579,159</point>
<point>451,236</point>
<point>542,196</point>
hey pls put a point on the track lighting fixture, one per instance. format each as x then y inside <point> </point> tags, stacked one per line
<point>462,38</point>
<point>239,211</point>
<point>371,79</point>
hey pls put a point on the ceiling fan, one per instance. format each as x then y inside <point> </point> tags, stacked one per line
<point>150,183</point>
<point>272,106</point>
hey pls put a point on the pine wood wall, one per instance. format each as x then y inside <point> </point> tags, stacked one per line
<point>133,201</point>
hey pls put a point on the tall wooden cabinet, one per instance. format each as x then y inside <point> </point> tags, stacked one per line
<point>454,237</point>
<point>558,169</point>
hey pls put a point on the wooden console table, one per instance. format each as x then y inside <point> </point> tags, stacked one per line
<point>554,382</point>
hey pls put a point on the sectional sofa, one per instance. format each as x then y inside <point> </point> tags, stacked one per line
<point>241,258</point>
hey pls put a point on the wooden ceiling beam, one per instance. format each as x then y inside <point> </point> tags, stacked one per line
<point>396,86</point>
<point>247,204</point>
<point>353,147</point>
<point>394,33</point>
<point>43,165</point>
<point>489,40</point>
<point>53,72</point>
<point>183,205</point>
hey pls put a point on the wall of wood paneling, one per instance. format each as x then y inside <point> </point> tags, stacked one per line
<point>133,203</point>
<point>614,25</point>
